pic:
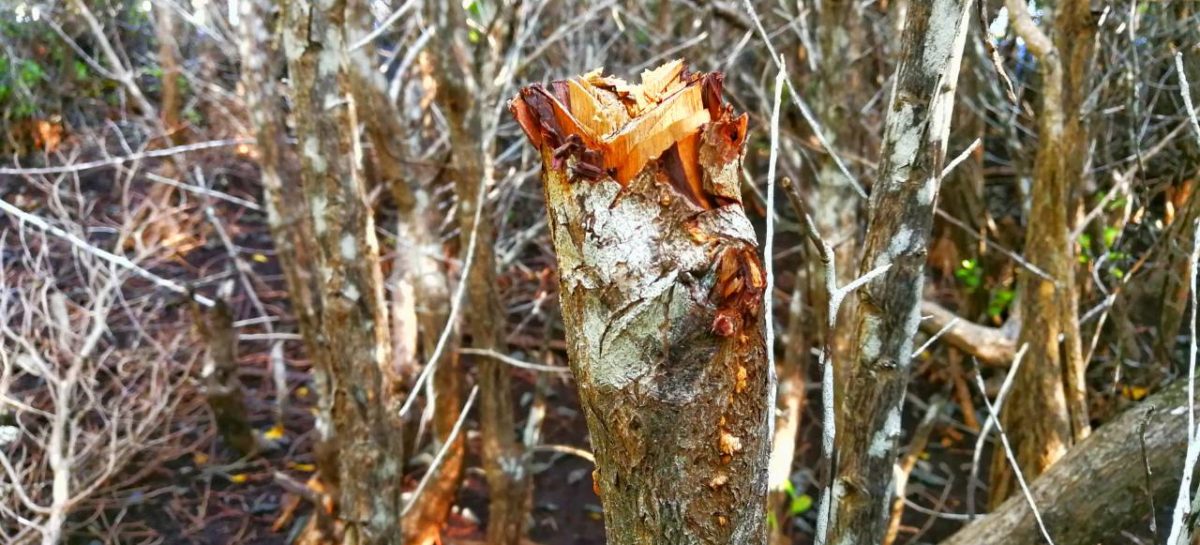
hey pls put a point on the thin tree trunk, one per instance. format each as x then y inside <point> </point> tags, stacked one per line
<point>424,521</point>
<point>171,100</point>
<point>1047,410</point>
<point>504,461</point>
<point>1105,484</point>
<point>790,399</point>
<point>661,289</point>
<point>287,212</point>
<point>888,309</point>
<point>361,457</point>
<point>837,96</point>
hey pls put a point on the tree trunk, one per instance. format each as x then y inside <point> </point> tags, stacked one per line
<point>1100,487</point>
<point>360,457</point>
<point>171,100</point>
<point>661,289</point>
<point>505,462</point>
<point>841,36</point>
<point>888,309</point>
<point>1047,411</point>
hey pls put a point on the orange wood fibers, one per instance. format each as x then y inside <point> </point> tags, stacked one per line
<point>629,125</point>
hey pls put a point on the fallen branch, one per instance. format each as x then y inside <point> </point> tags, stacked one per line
<point>990,345</point>
<point>1098,488</point>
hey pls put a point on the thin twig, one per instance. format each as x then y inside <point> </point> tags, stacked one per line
<point>110,257</point>
<point>768,261</point>
<point>988,424</point>
<point>165,152</point>
<point>1012,459</point>
<point>383,26</point>
<point>960,158</point>
<point>502,358</point>
<point>437,460</point>
<point>932,339</point>
<point>805,112</point>
<point>1008,253</point>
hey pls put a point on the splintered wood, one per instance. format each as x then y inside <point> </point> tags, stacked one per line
<point>611,128</point>
<point>661,289</point>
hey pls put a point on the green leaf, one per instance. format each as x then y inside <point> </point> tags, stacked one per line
<point>81,70</point>
<point>474,8</point>
<point>800,504</point>
<point>970,274</point>
<point>1110,236</point>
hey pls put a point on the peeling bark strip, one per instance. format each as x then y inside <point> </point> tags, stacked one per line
<point>661,293</point>
<point>888,311</point>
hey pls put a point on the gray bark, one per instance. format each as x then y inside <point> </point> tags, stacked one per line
<point>1100,487</point>
<point>360,455</point>
<point>888,309</point>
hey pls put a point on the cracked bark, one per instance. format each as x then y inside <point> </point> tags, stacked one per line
<point>661,290</point>
<point>1047,410</point>
<point>888,308</point>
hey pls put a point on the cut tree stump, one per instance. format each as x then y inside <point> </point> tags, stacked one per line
<point>661,290</point>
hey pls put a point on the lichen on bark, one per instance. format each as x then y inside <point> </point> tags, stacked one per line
<point>661,290</point>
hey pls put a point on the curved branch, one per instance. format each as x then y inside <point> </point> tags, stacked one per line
<point>995,346</point>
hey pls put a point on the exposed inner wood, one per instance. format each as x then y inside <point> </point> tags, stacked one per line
<point>613,128</point>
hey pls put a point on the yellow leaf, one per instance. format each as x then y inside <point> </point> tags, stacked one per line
<point>238,478</point>
<point>302,467</point>
<point>259,258</point>
<point>200,458</point>
<point>1135,393</point>
<point>275,433</point>
<point>302,391</point>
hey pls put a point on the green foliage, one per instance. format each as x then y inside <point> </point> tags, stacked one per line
<point>798,503</point>
<point>970,274</point>
<point>999,302</point>
<point>1110,236</point>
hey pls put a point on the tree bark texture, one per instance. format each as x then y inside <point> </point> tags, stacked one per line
<point>661,290</point>
<point>1101,486</point>
<point>504,461</point>
<point>1047,411</point>
<point>888,313</point>
<point>360,457</point>
<point>287,212</point>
